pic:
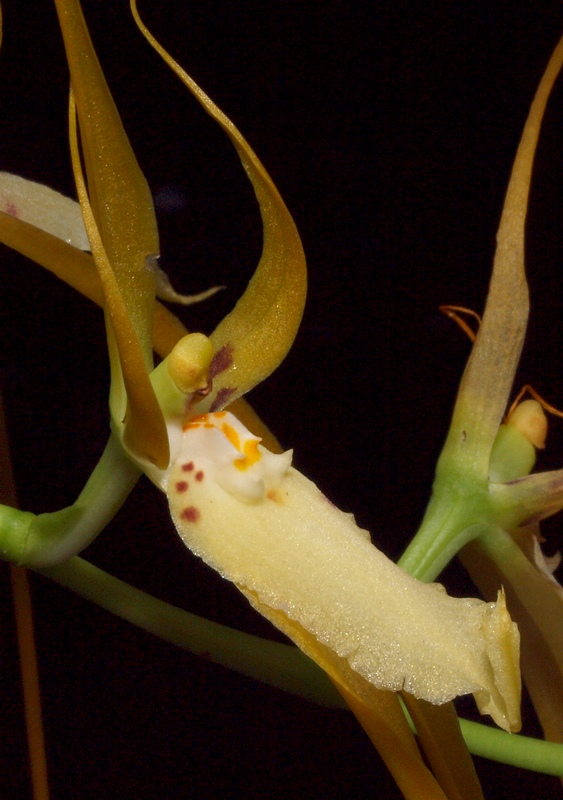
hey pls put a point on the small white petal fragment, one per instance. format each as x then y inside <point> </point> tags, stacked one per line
<point>529,541</point>
<point>308,568</point>
<point>43,207</point>
<point>232,458</point>
<point>165,290</point>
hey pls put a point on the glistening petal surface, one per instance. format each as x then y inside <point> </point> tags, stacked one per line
<point>308,568</point>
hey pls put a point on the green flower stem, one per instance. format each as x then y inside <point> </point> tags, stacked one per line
<point>524,752</point>
<point>47,539</point>
<point>445,529</point>
<point>468,503</point>
<point>464,507</point>
<point>536,755</point>
<point>279,665</point>
<point>14,527</point>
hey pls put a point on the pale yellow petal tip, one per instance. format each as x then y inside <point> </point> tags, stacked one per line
<point>310,570</point>
<point>165,290</point>
<point>502,698</point>
<point>43,207</point>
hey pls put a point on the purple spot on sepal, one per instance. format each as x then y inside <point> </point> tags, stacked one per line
<point>221,361</point>
<point>11,209</point>
<point>223,398</point>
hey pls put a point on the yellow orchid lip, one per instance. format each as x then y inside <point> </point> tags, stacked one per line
<point>311,571</point>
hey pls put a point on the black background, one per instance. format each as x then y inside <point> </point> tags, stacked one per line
<point>389,129</point>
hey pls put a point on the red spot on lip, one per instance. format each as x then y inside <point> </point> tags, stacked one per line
<point>181,486</point>
<point>221,361</point>
<point>188,467</point>
<point>190,514</point>
<point>199,475</point>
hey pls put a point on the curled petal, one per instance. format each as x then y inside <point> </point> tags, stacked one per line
<point>310,570</point>
<point>77,269</point>
<point>166,291</point>
<point>54,213</point>
<point>41,231</point>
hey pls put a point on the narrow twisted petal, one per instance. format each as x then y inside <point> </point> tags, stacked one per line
<point>119,217</point>
<point>489,374</point>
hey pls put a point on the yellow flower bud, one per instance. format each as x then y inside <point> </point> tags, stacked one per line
<point>529,418</point>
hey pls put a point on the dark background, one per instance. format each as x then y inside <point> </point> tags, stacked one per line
<point>389,129</point>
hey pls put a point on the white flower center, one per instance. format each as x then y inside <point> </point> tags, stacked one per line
<point>229,454</point>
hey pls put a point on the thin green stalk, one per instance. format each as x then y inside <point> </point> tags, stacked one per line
<point>47,539</point>
<point>536,755</point>
<point>30,682</point>
<point>444,531</point>
<point>279,665</point>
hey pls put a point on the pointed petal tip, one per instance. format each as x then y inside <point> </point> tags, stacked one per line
<point>43,207</point>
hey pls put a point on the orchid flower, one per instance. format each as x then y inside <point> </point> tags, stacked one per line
<point>305,565</point>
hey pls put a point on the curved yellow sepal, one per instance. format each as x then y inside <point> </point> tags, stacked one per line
<point>137,418</point>
<point>255,337</point>
<point>384,722</point>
